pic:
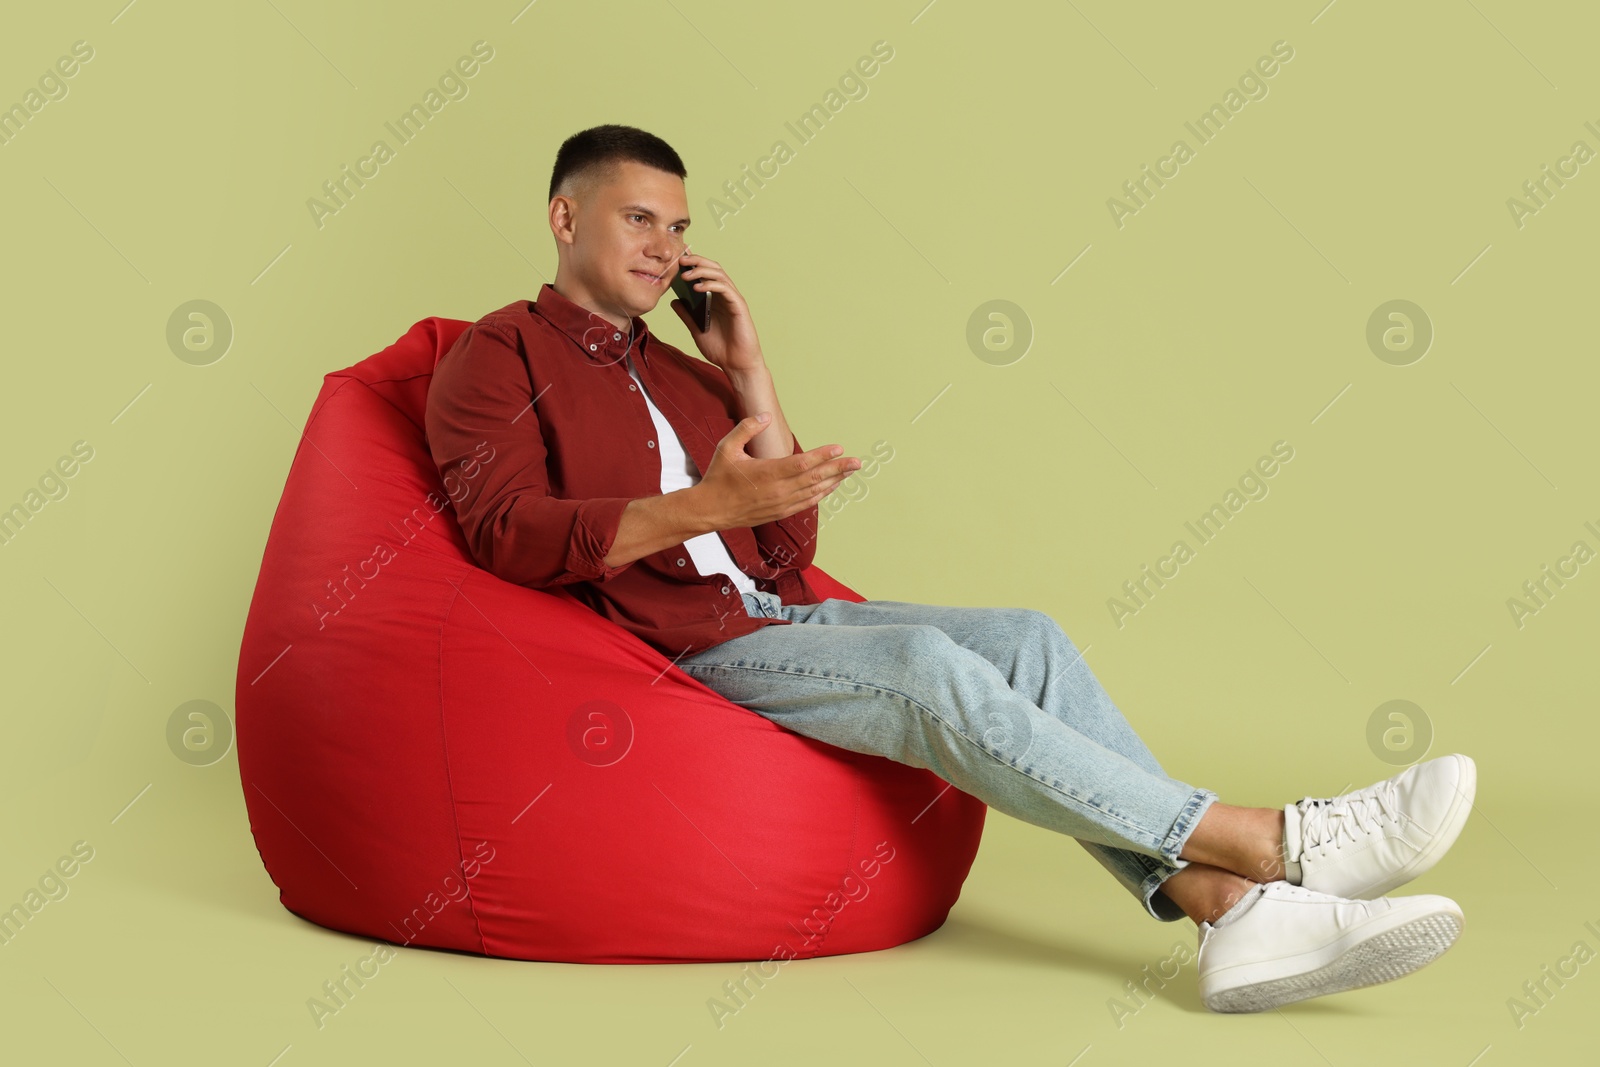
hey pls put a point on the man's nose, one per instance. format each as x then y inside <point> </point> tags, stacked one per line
<point>666,247</point>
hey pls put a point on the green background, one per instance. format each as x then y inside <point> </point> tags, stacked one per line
<point>1229,313</point>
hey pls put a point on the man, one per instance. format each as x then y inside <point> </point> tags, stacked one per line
<point>670,495</point>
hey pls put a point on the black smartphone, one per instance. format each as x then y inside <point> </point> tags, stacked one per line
<point>697,301</point>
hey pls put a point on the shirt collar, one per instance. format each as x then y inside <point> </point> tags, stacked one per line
<point>600,341</point>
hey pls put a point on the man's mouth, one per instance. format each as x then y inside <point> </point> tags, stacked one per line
<point>653,279</point>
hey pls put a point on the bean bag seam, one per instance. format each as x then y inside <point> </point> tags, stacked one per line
<point>321,402</point>
<point>450,785</point>
<point>397,409</point>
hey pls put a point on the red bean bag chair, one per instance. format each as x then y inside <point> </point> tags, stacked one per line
<point>431,755</point>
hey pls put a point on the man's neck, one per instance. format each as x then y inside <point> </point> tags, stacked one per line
<point>570,293</point>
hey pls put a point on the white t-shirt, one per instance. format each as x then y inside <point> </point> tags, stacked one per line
<point>707,550</point>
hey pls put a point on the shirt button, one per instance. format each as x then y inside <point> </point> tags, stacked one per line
<point>652,444</point>
<point>724,589</point>
<point>632,388</point>
<point>616,337</point>
<point>680,561</point>
<point>593,347</point>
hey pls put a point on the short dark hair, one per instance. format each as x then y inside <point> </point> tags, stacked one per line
<point>594,154</point>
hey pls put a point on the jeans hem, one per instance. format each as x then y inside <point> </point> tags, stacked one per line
<point>1184,825</point>
<point>1162,907</point>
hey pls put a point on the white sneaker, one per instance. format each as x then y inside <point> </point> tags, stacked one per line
<point>1292,943</point>
<point>1365,843</point>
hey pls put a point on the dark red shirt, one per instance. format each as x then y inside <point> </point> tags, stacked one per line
<point>542,438</point>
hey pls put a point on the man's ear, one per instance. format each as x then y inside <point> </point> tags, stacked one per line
<point>560,213</point>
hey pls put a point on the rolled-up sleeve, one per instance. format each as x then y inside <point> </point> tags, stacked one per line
<point>790,542</point>
<point>484,435</point>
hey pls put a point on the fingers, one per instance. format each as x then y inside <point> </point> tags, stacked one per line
<point>748,427</point>
<point>819,473</point>
<point>827,489</point>
<point>821,454</point>
<point>822,462</point>
<point>827,486</point>
<point>702,278</point>
<point>814,486</point>
<point>706,275</point>
<point>695,259</point>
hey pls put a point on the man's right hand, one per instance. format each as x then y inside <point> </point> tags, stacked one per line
<point>740,490</point>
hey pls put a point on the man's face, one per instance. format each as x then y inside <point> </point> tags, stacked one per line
<point>626,237</point>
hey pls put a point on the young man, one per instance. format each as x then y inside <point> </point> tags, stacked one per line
<point>671,496</point>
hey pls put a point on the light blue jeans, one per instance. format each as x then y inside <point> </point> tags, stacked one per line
<point>995,701</point>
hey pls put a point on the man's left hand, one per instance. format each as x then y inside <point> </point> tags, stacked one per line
<point>730,342</point>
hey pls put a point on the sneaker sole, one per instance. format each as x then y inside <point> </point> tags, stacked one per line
<point>1455,821</point>
<point>1380,958</point>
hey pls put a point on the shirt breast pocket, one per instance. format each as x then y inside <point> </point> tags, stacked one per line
<point>716,428</point>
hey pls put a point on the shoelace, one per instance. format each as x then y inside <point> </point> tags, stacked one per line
<point>1282,889</point>
<point>1300,892</point>
<point>1327,822</point>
